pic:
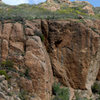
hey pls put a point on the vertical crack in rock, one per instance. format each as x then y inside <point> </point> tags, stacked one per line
<point>74,51</point>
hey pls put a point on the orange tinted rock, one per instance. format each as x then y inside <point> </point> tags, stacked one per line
<point>17,33</point>
<point>7,31</point>
<point>17,45</point>
<point>72,47</point>
<point>4,49</point>
<point>40,67</point>
<point>27,52</point>
<point>29,32</point>
<point>26,84</point>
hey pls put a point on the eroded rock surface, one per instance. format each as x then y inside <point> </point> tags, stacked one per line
<point>41,50</point>
<point>19,44</point>
<point>74,51</point>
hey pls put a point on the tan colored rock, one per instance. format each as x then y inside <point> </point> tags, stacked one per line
<point>32,26</point>
<point>85,6</point>
<point>0,30</point>
<point>29,32</point>
<point>7,31</point>
<point>26,85</point>
<point>49,1</point>
<point>17,45</point>
<point>37,60</point>
<point>4,49</point>
<point>26,50</point>
<point>72,53</point>
<point>1,98</point>
<point>33,44</point>
<point>89,10</point>
<point>17,34</point>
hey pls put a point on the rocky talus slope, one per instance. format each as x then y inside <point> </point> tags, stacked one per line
<point>45,51</point>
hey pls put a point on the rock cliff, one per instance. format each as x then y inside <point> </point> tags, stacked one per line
<point>34,54</point>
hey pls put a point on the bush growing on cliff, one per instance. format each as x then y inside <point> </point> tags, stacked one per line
<point>38,33</point>
<point>3,72</point>
<point>60,93</point>
<point>7,64</point>
<point>23,95</point>
<point>96,88</point>
<point>30,12</point>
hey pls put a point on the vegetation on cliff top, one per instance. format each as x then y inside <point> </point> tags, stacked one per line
<point>39,12</point>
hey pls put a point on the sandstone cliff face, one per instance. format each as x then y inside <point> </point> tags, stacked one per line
<point>73,52</point>
<point>70,52</point>
<point>20,45</point>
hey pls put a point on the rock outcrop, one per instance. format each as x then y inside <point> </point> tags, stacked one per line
<point>85,5</point>
<point>40,50</point>
<point>21,46</point>
<point>74,53</point>
<point>55,5</point>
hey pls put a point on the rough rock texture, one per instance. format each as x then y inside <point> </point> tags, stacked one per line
<point>19,44</point>
<point>5,91</point>
<point>85,5</point>
<point>95,26</point>
<point>68,50</point>
<point>89,10</point>
<point>74,51</point>
<point>54,5</point>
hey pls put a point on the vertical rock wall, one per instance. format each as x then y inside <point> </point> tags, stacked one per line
<point>73,47</point>
<point>20,44</point>
<point>74,51</point>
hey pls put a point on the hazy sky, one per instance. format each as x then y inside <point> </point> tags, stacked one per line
<point>93,2</point>
<point>16,2</point>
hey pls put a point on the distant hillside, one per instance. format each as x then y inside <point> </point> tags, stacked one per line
<point>46,11</point>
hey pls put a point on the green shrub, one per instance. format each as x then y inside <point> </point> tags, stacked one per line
<point>30,12</point>
<point>94,29</point>
<point>3,72</point>
<point>23,95</point>
<point>38,33</point>
<point>96,88</point>
<point>60,93</point>
<point>27,73</point>
<point>7,64</point>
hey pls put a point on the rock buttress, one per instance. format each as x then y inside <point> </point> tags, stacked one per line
<point>74,52</point>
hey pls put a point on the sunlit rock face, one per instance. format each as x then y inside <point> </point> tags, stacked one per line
<point>20,45</point>
<point>75,53</point>
<point>42,50</point>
